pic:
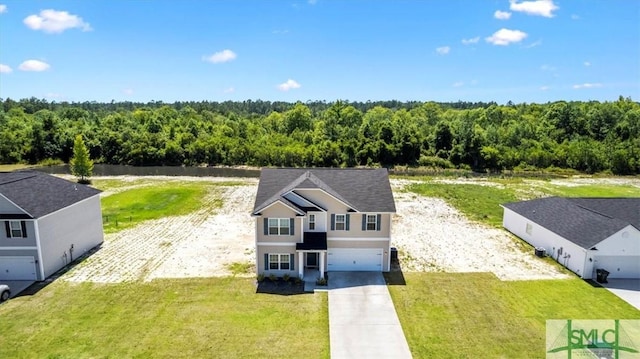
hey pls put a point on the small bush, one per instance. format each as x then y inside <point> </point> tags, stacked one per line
<point>272,277</point>
<point>260,277</point>
<point>298,280</point>
<point>321,281</point>
<point>286,277</point>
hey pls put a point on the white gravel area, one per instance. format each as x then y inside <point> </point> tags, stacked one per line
<point>430,235</point>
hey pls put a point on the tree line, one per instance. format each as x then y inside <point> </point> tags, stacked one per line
<point>585,136</point>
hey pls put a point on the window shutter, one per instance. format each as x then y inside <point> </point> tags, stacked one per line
<point>346,222</point>
<point>266,226</point>
<point>266,261</point>
<point>364,222</point>
<point>292,260</point>
<point>378,220</point>
<point>333,222</point>
<point>6,226</point>
<point>24,228</point>
<point>292,226</point>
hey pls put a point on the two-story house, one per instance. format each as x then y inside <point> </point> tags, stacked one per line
<point>47,222</point>
<point>324,219</point>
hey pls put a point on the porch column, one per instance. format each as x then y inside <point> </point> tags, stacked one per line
<point>321,264</point>
<point>300,265</point>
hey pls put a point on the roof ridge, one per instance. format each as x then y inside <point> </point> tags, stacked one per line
<point>17,179</point>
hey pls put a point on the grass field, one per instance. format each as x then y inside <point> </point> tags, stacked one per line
<point>129,207</point>
<point>191,318</point>
<point>475,315</point>
<point>482,202</point>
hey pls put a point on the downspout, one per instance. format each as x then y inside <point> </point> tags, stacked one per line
<point>39,249</point>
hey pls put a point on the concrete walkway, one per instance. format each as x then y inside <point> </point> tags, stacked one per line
<point>362,319</point>
<point>627,289</point>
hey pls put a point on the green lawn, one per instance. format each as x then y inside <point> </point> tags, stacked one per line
<point>191,318</point>
<point>129,207</point>
<point>475,315</point>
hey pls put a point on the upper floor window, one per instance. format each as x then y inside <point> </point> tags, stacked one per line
<point>312,222</point>
<point>279,226</point>
<point>372,221</point>
<point>341,220</point>
<point>16,229</point>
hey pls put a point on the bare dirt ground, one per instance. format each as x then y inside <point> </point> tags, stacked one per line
<point>429,234</point>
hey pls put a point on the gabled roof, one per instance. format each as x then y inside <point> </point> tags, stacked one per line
<point>362,190</point>
<point>39,194</point>
<point>583,221</point>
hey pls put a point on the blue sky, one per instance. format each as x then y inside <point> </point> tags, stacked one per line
<point>287,50</point>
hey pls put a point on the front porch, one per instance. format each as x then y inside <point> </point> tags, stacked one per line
<point>312,253</point>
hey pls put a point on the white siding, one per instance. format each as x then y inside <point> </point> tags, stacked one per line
<point>79,225</point>
<point>572,255</point>
<point>619,254</point>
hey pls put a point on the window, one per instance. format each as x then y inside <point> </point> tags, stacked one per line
<point>312,222</point>
<point>372,222</point>
<point>340,222</point>
<point>279,261</point>
<point>16,229</point>
<point>279,226</point>
<point>529,228</point>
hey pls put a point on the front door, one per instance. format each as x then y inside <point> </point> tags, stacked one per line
<point>312,260</point>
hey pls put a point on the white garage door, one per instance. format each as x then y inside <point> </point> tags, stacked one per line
<point>17,268</point>
<point>619,266</point>
<point>365,260</point>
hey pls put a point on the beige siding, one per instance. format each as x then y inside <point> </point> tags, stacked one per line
<point>261,250</point>
<point>278,210</point>
<point>334,206</point>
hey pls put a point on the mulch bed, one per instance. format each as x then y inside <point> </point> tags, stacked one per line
<point>280,287</point>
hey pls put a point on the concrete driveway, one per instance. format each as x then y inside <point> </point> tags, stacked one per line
<point>362,319</point>
<point>627,289</point>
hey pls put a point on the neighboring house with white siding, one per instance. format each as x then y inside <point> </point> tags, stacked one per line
<point>582,234</point>
<point>46,222</point>
<point>323,219</point>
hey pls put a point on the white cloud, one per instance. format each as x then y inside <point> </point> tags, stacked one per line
<point>587,63</point>
<point>473,40</point>
<point>52,21</point>
<point>458,84</point>
<point>544,88</point>
<point>128,91</point>
<point>443,50</point>
<point>34,65</point>
<point>575,17</point>
<point>290,84</point>
<point>3,8</point>
<point>229,90</point>
<point>220,57</point>
<point>5,69</point>
<point>538,7</point>
<point>587,86</point>
<point>312,2</point>
<point>54,96</point>
<point>505,37</point>
<point>502,15</point>
<point>547,68</point>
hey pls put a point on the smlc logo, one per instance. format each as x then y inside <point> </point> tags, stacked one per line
<point>593,339</point>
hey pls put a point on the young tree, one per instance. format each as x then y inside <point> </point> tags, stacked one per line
<point>81,165</point>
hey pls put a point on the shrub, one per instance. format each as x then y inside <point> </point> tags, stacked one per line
<point>260,277</point>
<point>321,281</point>
<point>273,277</point>
<point>286,277</point>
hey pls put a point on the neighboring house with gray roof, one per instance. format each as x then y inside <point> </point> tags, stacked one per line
<point>46,222</point>
<point>583,234</point>
<point>323,219</point>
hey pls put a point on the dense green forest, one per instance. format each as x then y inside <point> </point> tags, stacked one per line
<point>584,136</point>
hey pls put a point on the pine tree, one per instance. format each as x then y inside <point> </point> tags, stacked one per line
<point>81,165</point>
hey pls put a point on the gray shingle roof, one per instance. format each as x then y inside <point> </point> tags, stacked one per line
<point>583,221</point>
<point>363,190</point>
<point>39,194</point>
